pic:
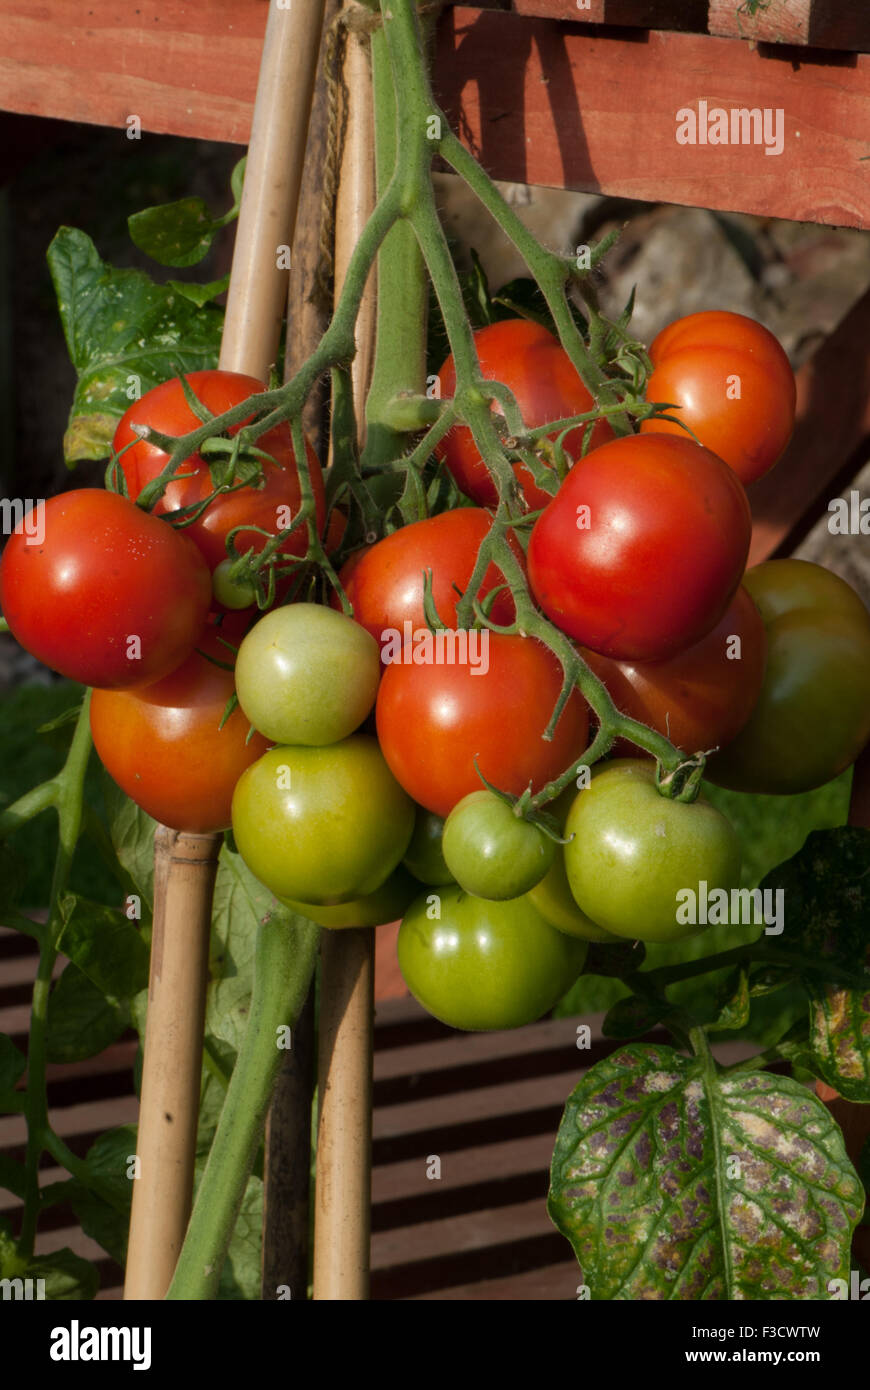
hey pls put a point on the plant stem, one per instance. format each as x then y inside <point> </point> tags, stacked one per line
<point>29,805</point>
<point>69,799</point>
<point>283,966</point>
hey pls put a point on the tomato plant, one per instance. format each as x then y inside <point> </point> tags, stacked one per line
<point>732,384</point>
<point>109,595</point>
<point>535,367</point>
<point>322,825</point>
<point>812,718</point>
<point>477,964</point>
<point>642,549</point>
<point>633,852</point>
<point>434,722</point>
<point>270,506</point>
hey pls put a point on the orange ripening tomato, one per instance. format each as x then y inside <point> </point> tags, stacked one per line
<point>164,747</point>
<point>734,386</point>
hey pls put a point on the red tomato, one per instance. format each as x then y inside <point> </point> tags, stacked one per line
<point>642,549</point>
<point>385,582</point>
<point>433,720</point>
<point>109,595</point>
<point>164,747</point>
<point>734,386</point>
<point>537,369</point>
<point>270,507</point>
<point>701,698</point>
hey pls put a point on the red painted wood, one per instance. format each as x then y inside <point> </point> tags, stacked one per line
<point>543,103</point>
<point>182,68</point>
<point>822,23</point>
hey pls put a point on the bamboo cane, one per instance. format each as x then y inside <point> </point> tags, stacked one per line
<point>185,865</point>
<point>342,1211</point>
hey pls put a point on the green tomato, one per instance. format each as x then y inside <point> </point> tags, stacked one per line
<point>385,904</point>
<point>476,964</point>
<point>322,825</point>
<point>553,899</point>
<point>634,850</point>
<point>491,852</point>
<point>425,858</point>
<point>812,718</point>
<point>307,675</point>
<point>231,593</point>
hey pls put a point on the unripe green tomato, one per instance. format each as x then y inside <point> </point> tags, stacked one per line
<point>634,850</point>
<point>231,593</point>
<point>553,899</point>
<point>425,858</point>
<point>385,904</point>
<point>477,965</point>
<point>322,825</point>
<point>491,852</point>
<point>307,675</point>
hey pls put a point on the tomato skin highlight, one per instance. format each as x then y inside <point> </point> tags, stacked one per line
<point>657,556</point>
<point>434,720</point>
<point>634,850</point>
<point>701,697</point>
<point>812,717</point>
<point>700,362</point>
<point>536,368</point>
<point>385,582</point>
<point>164,408</point>
<point>164,746</point>
<point>104,572</point>
<point>483,965</point>
<point>322,825</point>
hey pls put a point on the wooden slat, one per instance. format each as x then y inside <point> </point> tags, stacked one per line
<point>543,103</point>
<point>182,68</point>
<point>553,1282</point>
<point>833,423</point>
<point>644,14</point>
<point>821,23</point>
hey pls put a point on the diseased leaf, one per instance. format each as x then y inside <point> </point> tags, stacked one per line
<point>124,334</point>
<point>674,1181</point>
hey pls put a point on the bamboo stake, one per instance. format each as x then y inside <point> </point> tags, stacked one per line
<point>185,865</point>
<point>342,1211</point>
<point>286,1167</point>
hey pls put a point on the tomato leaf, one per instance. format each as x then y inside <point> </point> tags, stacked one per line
<point>124,334</point>
<point>735,1004</point>
<point>673,1181</point>
<point>176,234</point>
<point>620,959</point>
<point>12,1176</point>
<point>132,834</point>
<point>81,1021</point>
<point>199,294</point>
<point>105,946</point>
<point>240,901</point>
<point>629,1017</point>
<point>825,890</point>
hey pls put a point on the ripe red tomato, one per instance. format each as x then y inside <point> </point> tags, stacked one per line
<point>164,747</point>
<point>385,582</point>
<point>109,595</point>
<point>270,507</point>
<point>433,720</point>
<point>700,698</point>
<point>642,549</point>
<point>537,369</point>
<point>734,386</point>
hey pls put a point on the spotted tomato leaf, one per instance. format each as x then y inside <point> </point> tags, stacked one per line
<point>674,1181</point>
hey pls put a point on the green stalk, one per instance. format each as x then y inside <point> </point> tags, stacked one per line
<point>283,966</point>
<point>69,799</point>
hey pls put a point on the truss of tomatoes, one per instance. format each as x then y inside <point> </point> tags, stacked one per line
<point>354,770</point>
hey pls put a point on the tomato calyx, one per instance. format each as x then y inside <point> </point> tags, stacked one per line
<point>682,783</point>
